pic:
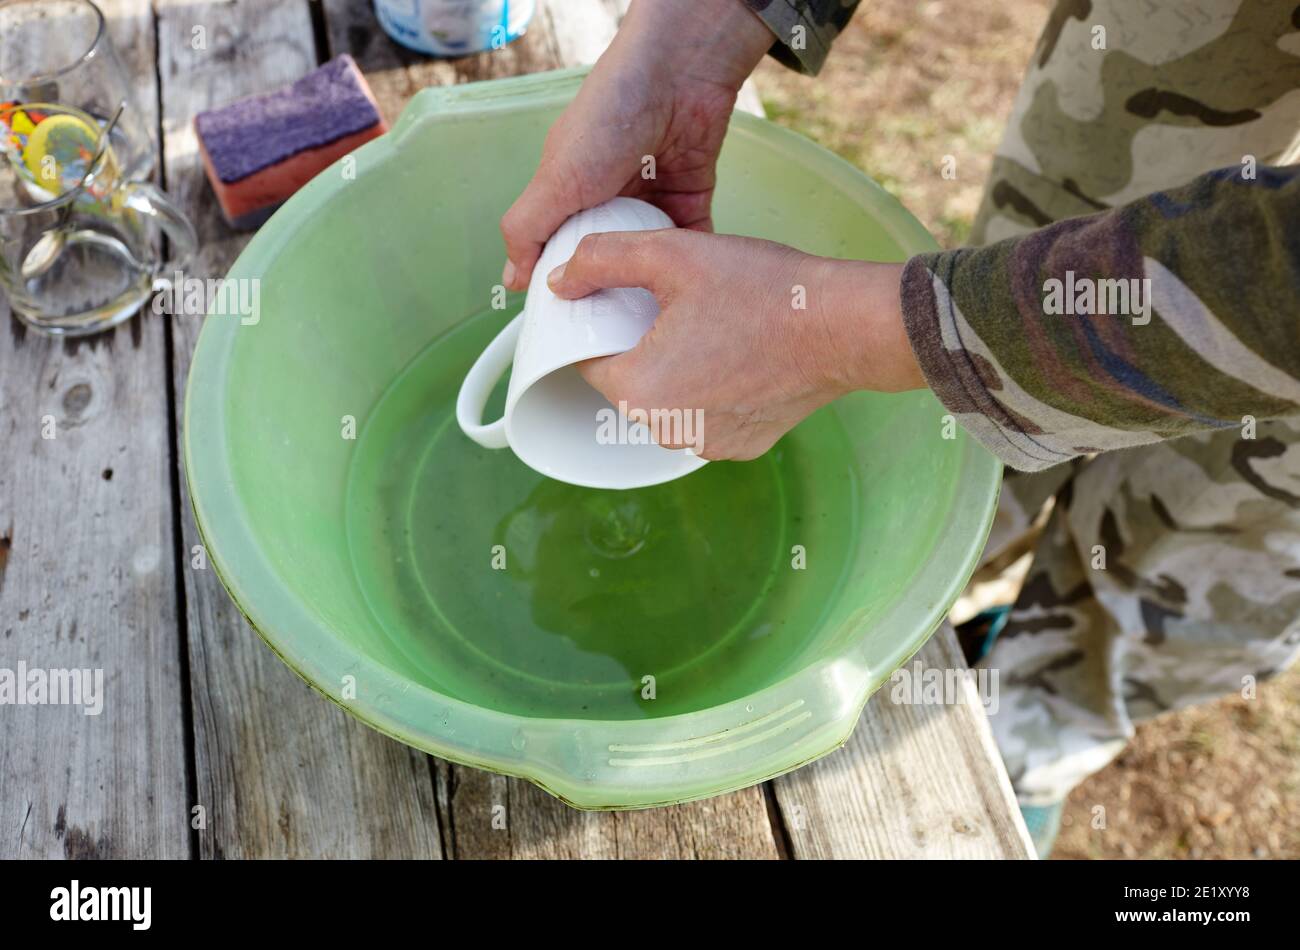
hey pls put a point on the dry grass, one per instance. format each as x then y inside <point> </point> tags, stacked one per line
<point>1217,781</point>
<point>909,83</point>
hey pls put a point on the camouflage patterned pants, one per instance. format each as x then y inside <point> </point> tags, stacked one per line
<point>1169,574</point>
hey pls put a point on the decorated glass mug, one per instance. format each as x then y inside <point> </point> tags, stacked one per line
<point>78,239</point>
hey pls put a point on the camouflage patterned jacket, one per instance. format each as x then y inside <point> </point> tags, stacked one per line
<point>1146,311</point>
<point>804,29</point>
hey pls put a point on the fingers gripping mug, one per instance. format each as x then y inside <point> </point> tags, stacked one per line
<point>554,421</point>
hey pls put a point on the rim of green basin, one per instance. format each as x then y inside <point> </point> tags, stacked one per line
<point>587,763</point>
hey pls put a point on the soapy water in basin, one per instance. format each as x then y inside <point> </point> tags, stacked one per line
<point>512,591</point>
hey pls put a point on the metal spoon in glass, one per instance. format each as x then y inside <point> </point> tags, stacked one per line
<point>50,245</point>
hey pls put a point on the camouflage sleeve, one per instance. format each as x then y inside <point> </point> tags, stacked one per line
<point>804,29</point>
<point>1176,313</point>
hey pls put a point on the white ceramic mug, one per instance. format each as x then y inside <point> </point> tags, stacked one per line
<point>554,421</point>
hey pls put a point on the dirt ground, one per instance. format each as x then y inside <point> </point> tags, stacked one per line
<point>908,84</point>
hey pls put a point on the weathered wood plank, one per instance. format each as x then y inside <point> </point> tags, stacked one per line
<point>86,574</point>
<point>489,815</point>
<point>280,771</point>
<point>914,781</point>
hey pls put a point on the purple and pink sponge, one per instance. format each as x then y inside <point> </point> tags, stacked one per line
<point>260,150</point>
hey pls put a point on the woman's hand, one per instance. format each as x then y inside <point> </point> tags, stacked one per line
<point>664,90</point>
<point>754,334</point>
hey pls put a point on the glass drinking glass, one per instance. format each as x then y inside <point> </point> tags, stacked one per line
<point>60,51</point>
<point>78,238</point>
<point>90,239</point>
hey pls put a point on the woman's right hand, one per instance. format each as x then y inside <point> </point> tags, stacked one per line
<point>648,122</point>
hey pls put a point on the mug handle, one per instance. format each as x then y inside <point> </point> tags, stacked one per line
<point>479,383</point>
<point>144,198</point>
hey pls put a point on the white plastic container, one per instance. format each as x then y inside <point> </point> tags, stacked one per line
<point>454,27</point>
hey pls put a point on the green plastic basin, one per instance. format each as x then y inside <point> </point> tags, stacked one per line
<point>364,552</point>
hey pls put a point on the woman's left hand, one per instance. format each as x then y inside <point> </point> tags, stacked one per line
<point>753,334</point>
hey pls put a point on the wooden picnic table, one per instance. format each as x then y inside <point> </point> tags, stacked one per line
<point>208,746</point>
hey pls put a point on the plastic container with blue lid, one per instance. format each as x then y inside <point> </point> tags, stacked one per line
<point>454,27</point>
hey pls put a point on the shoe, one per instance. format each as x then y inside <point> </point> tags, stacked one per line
<point>1043,822</point>
<point>978,634</point>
